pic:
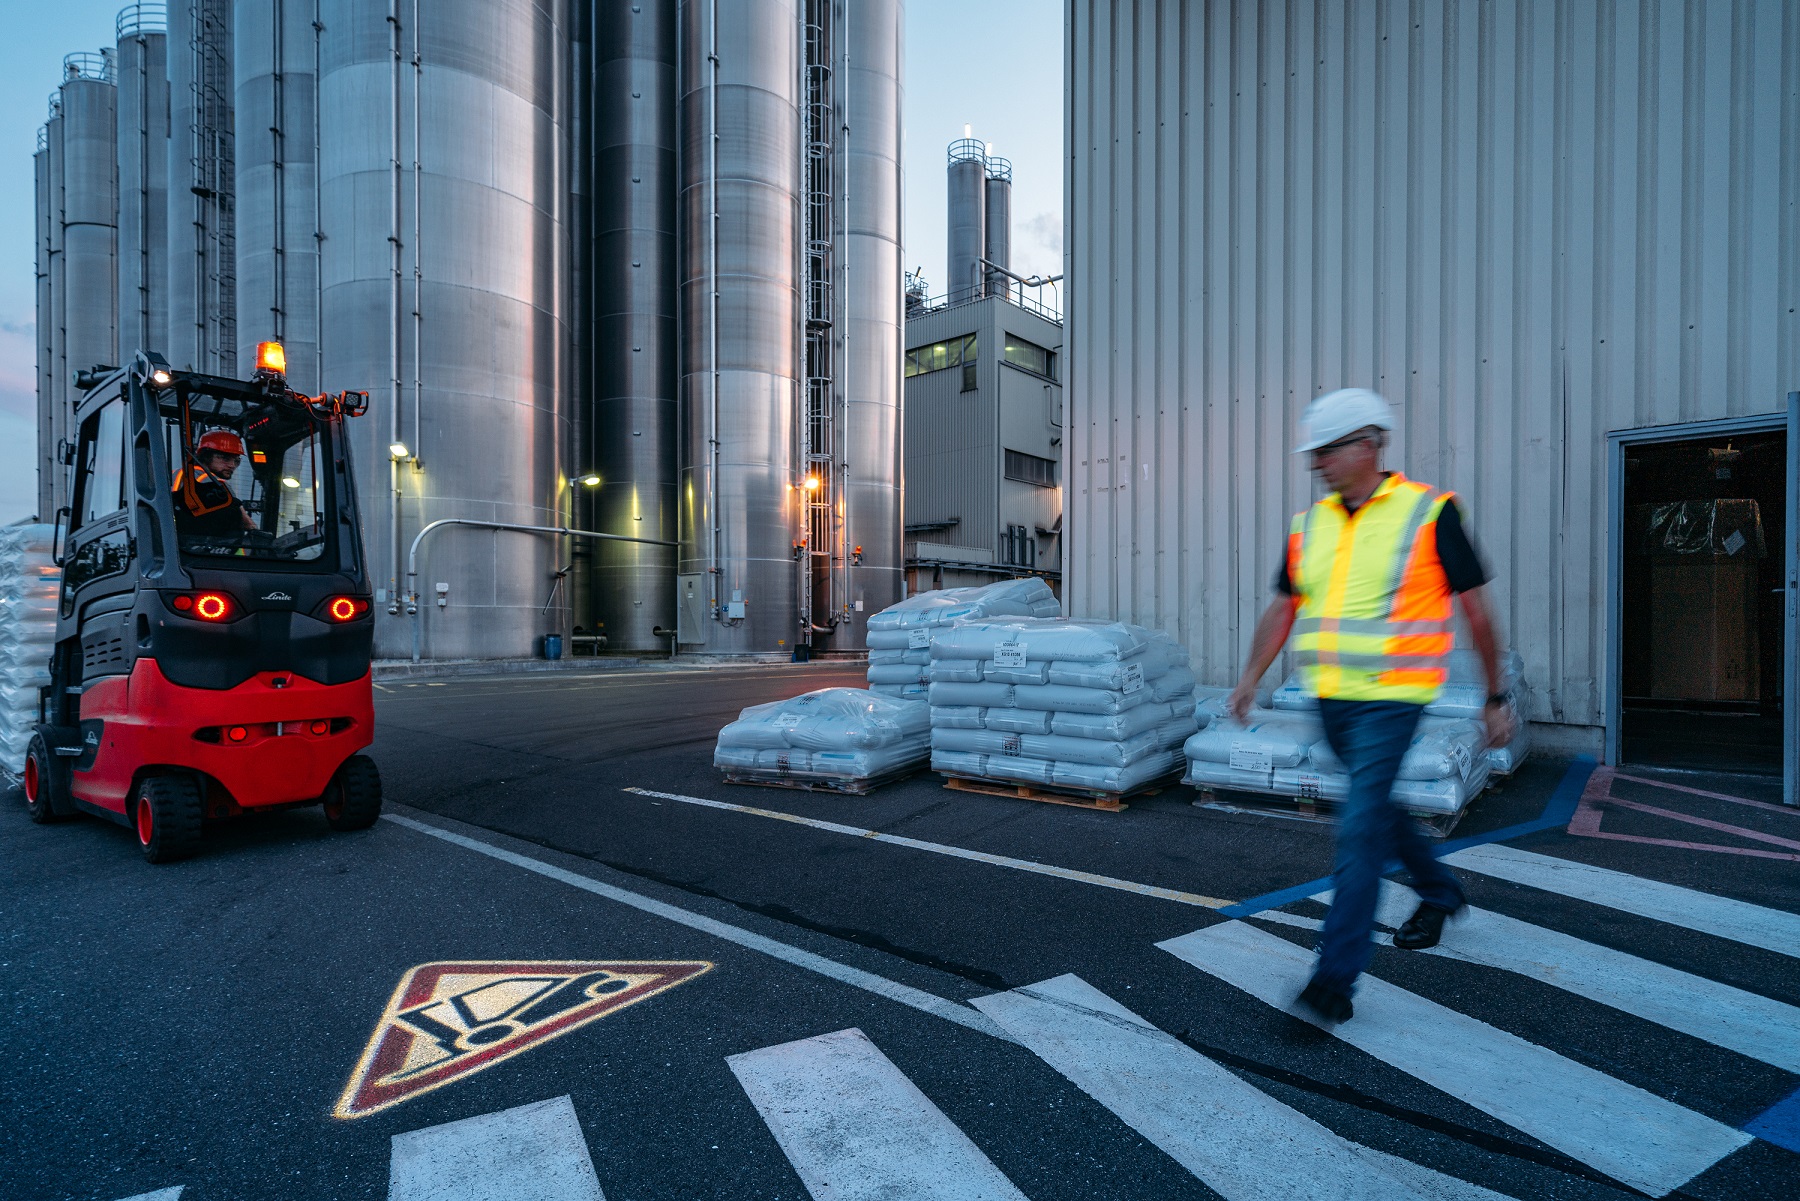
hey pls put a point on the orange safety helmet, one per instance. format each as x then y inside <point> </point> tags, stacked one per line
<point>223,441</point>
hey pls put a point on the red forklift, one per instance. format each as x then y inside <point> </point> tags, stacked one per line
<point>214,637</point>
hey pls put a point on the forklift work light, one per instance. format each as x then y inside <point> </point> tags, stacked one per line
<point>397,451</point>
<point>160,378</point>
<point>288,481</point>
<point>592,481</point>
<point>271,356</point>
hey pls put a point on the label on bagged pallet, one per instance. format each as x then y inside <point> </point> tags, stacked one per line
<point>787,721</point>
<point>1012,744</point>
<point>918,640</point>
<point>1009,654</point>
<point>1309,786</point>
<point>1459,754</point>
<point>1132,679</point>
<point>1250,757</point>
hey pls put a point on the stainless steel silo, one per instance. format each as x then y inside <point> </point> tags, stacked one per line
<point>90,205</point>
<point>998,224</point>
<point>201,182</point>
<point>629,436</point>
<point>53,404</point>
<point>871,355</point>
<point>274,55</point>
<point>445,278</point>
<point>967,231</point>
<point>143,164</point>
<point>740,322</point>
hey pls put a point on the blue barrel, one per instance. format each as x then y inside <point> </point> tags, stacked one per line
<point>552,646</point>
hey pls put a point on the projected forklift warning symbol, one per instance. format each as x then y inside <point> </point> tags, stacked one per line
<point>448,1020</point>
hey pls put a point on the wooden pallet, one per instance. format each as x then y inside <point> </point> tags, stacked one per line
<point>1080,798</point>
<point>842,785</point>
<point>1432,825</point>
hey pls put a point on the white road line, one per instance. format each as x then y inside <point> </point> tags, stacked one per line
<point>1727,1017</point>
<point>939,848</point>
<point>1243,1143</point>
<point>161,1194</point>
<point>1630,1134</point>
<point>1738,921</point>
<point>881,986</point>
<point>856,1129</point>
<point>532,1153</point>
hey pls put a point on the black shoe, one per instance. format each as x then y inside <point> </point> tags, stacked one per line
<point>1330,1005</point>
<point>1423,929</point>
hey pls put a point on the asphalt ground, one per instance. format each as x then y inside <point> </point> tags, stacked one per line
<point>195,1024</point>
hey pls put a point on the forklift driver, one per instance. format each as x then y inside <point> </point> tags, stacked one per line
<point>204,506</point>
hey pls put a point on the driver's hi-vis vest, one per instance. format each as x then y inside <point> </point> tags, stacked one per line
<point>1374,616</point>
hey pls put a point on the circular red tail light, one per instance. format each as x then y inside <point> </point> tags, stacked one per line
<point>321,727</point>
<point>211,606</point>
<point>237,733</point>
<point>184,603</point>
<point>343,608</point>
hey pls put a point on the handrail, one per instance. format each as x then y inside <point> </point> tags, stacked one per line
<point>412,556</point>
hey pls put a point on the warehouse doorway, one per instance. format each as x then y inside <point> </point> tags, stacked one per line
<point>1703,597</point>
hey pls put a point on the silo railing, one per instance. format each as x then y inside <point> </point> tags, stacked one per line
<point>88,64</point>
<point>148,16</point>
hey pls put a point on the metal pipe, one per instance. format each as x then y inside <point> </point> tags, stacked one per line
<point>712,231</point>
<point>412,556</point>
<point>394,428</point>
<point>318,211</point>
<point>841,610</point>
<point>418,312</point>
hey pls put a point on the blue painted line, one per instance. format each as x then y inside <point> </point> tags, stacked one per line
<point>1779,1123</point>
<point>1557,812</point>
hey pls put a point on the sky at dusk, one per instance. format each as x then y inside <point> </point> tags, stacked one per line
<point>995,66</point>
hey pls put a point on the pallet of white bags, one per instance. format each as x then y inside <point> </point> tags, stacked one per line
<point>1081,798</point>
<point>1311,809</point>
<point>840,784</point>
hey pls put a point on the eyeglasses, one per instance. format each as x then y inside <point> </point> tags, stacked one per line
<point>1323,451</point>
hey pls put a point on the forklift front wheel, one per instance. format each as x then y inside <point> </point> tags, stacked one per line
<point>46,780</point>
<point>166,812</point>
<point>353,799</point>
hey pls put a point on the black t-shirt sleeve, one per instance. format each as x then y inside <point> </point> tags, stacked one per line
<point>1462,566</point>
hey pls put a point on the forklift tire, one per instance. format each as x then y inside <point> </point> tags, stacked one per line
<point>46,783</point>
<point>166,813</point>
<point>353,799</point>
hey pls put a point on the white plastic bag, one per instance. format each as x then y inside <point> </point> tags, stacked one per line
<point>1014,642</point>
<point>1269,740</point>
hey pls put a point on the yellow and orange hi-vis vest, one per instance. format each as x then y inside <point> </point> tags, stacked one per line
<point>1374,604</point>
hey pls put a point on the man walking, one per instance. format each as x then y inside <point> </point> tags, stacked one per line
<point>1365,588</point>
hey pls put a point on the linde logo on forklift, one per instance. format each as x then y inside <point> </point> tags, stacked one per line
<point>214,639</point>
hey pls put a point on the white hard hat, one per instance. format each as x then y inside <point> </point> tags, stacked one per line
<point>1338,414</point>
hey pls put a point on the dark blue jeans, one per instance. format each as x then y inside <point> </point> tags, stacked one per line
<point>1370,738</point>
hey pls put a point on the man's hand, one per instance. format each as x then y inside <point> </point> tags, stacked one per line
<point>1242,697</point>
<point>1501,724</point>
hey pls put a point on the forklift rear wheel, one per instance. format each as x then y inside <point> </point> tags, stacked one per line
<point>166,812</point>
<point>46,782</point>
<point>353,800</point>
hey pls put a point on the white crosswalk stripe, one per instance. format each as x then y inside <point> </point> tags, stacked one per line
<point>1723,917</point>
<point>1241,1142</point>
<point>856,1128</point>
<point>161,1194</point>
<point>1630,1134</point>
<point>532,1153</point>
<point>1727,1017</point>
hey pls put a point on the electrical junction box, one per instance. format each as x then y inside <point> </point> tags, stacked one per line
<point>735,610</point>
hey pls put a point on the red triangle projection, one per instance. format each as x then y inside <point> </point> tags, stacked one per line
<point>448,1020</point>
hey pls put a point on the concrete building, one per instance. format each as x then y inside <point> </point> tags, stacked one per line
<point>984,441</point>
<point>1561,237</point>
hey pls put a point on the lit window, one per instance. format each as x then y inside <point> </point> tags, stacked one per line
<point>1030,357</point>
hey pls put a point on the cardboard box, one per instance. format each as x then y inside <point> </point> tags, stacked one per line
<point>1704,629</point>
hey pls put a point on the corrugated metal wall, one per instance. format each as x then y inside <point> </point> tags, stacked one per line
<point>1526,223</point>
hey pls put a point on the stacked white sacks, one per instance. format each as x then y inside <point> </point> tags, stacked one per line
<point>1463,696</point>
<point>900,635</point>
<point>1096,706</point>
<point>1282,750</point>
<point>29,582</point>
<point>834,734</point>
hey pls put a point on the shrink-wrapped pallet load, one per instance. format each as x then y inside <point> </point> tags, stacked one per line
<point>1097,707</point>
<point>1464,696</point>
<point>900,635</point>
<point>29,583</point>
<point>848,738</point>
